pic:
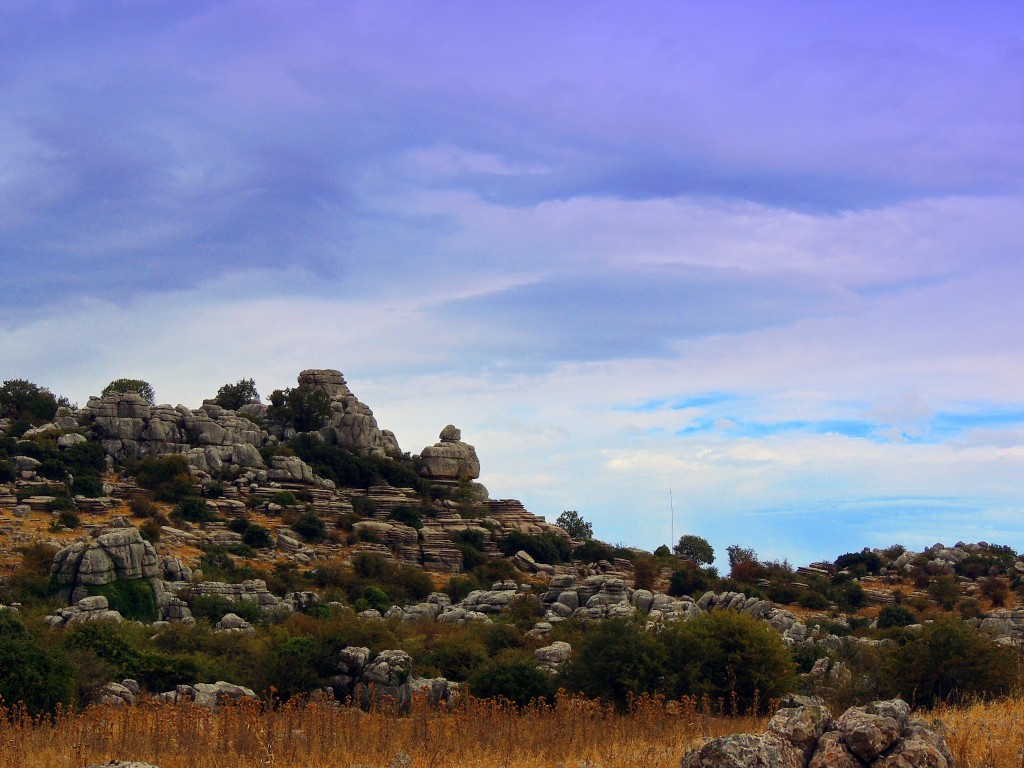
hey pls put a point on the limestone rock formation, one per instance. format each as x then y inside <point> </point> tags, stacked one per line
<point>118,552</point>
<point>450,460</point>
<point>880,735</point>
<point>351,423</point>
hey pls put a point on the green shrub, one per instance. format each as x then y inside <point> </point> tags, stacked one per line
<point>813,601</point>
<point>234,396</point>
<point>407,515</point>
<point>456,658</point>
<point>61,504</point>
<point>8,474</point>
<point>134,599</point>
<point>945,590</point>
<point>283,499</point>
<point>23,401</point>
<point>696,549</point>
<point>167,476</point>
<point>860,563</point>
<point>592,550</point>
<point>573,523</point>
<point>141,506</point>
<point>213,608</point>
<point>895,616</point>
<point>52,468</point>
<point>542,547</point>
<point>615,660</point>
<point>140,387</point>
<point>151,530</point>
<point>948,661</point>
<point>730,657</point>
<point>35,672</point>
<point>512,675</point>
<point>194,510</point>
<point>90,486</point>
<point>310,527</point>
<point>458,587</point>
<point>69,520</point>
<point>688,580</point>
<point>304,407</point>
<point>373,598</point>
<point>257,537</point>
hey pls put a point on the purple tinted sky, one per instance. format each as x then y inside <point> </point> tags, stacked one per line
<point>770,254</point>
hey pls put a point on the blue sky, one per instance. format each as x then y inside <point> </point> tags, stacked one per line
<point>770,256</point>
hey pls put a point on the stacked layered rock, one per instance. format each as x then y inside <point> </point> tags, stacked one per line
<point>387,677</point>
<point>452,462</point>
<point>351,423</point>
<point>118,552</point>
<point>879,735</point>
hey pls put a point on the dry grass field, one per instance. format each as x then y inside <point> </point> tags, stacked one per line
<point>570,734</point>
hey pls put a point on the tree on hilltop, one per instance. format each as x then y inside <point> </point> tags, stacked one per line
<point>140,387</point>
<point>234,396</point>
<point>695,548</point>
<point>572,523</point>
<point>21,400</point>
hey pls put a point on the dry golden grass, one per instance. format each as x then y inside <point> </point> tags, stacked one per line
<point>479,733</point>
<point>569,734</point>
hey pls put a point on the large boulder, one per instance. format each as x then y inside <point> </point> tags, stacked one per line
<point>450,459</point>
<point>880,735</point>
<point>118,553</point>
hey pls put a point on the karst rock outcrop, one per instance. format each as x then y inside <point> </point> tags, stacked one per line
<point>351,423</point>
<point>451,462</point>
<point>879,735</point>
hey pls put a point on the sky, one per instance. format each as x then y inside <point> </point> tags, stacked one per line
<point>751,271</point>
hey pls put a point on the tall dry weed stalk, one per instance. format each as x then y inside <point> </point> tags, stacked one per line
<point>567,732</point>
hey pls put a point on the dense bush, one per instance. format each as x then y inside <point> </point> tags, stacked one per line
<point>257,537</point>
<point>895,616</point>
<point>350,470</point>
<point>860,563</point>
<point>573,523</point>
<point>194,510</point>
<point>407,515</point>
<point>730,657</point>
<point>948,661</point>
<point>592,550</point>
<point>688,580</point>
<point>35,672</point>
<point>512,675</point>
<point>167,476</point>
<point>8,473</point>
<point>310,527</point>
<point>90,486</point>
<point>305,407</point>
<point>134,599</point>
<point>21,400</point>
<point>542,547</point>
<point>614,660</point>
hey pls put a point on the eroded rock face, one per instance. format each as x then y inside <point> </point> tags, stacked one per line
<point>351,423</point>
<point>116,553</point>
<point>450,459</point>
<point>877,735</point>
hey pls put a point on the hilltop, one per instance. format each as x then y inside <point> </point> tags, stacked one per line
<point>294,546</point>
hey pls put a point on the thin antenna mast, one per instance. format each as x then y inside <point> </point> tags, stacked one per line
<point>671,506</point>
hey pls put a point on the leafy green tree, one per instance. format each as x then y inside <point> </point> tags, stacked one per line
<point>572,523</point>
<point>695,548</point>
<point>143,388</point>
<point>304,407</point>
<point>167,476</point>
<point>310,527</point>
<point>21,400</point>
<point>234,396</point>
